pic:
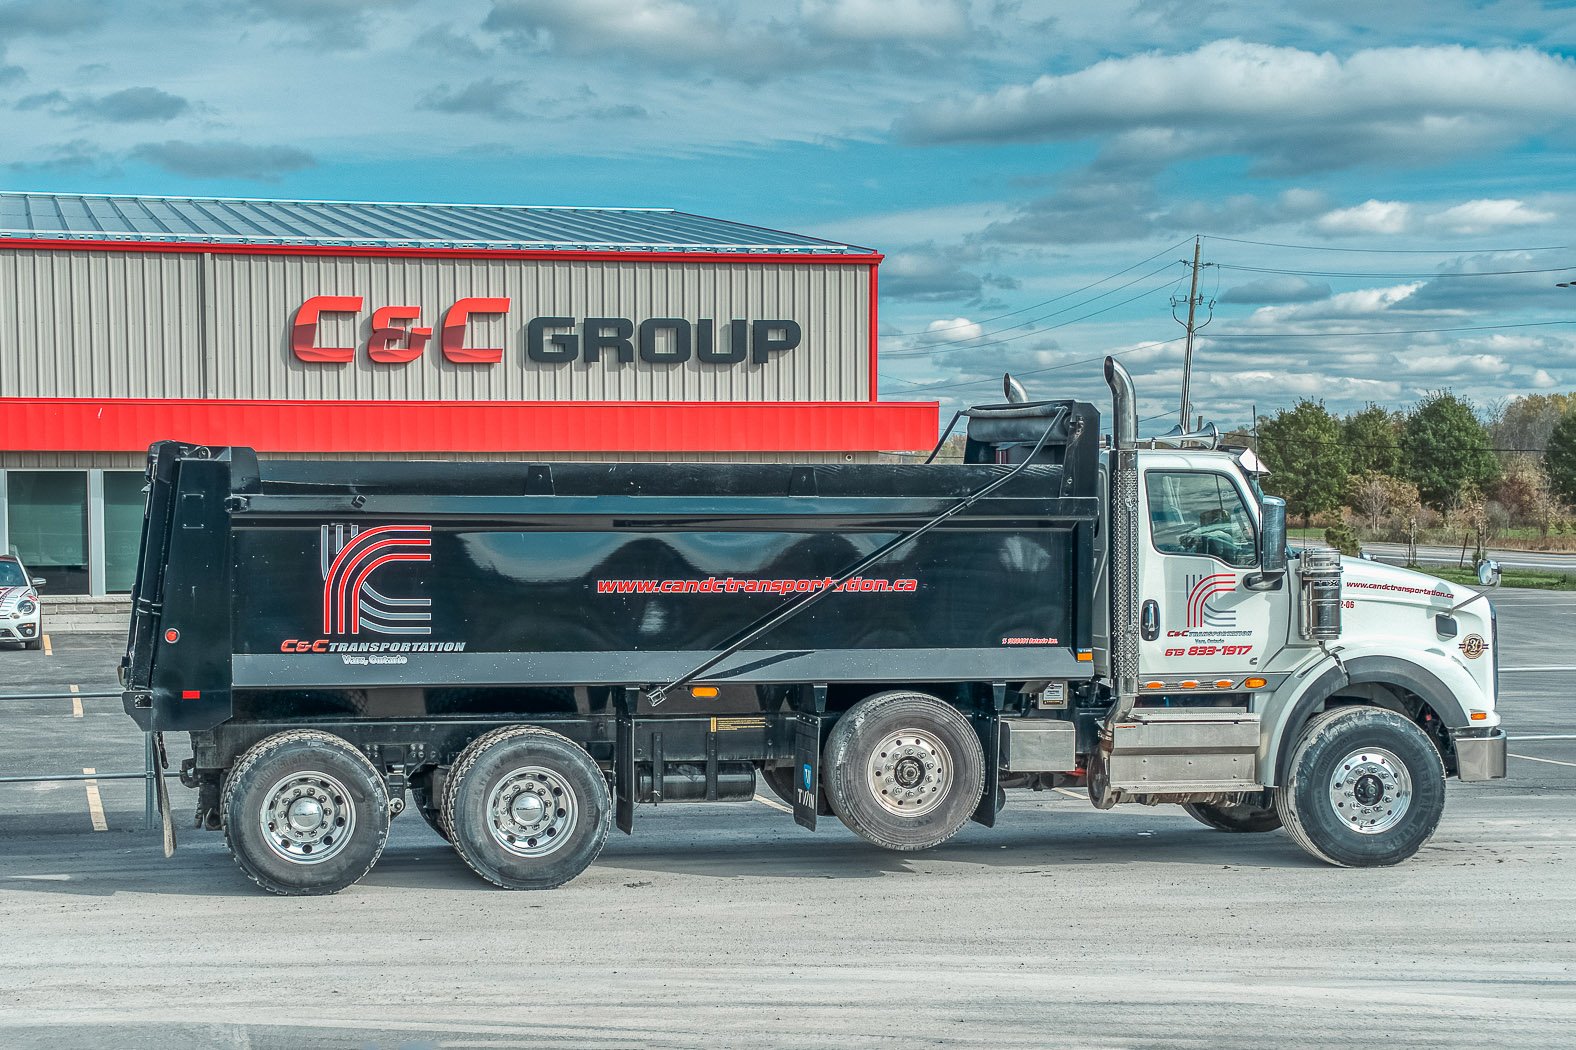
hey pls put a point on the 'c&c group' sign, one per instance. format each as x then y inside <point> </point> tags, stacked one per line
<point>396,338</point>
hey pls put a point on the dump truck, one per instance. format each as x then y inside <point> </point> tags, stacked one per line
<point>526,653</point>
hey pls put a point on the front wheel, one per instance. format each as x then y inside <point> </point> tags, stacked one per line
<point>1366,788</point>
<point>305,813</point>
<point>903,770</point>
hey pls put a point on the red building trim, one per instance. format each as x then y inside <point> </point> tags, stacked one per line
<point>132,424</point>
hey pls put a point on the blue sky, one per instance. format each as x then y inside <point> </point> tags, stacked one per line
<point>1387,190</point>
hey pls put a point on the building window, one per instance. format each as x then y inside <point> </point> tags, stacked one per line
<point>47,518</point>
<point>123,505</point>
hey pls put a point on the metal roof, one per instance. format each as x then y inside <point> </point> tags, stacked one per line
<point>231,220</point>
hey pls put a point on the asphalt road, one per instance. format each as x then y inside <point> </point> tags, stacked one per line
<point>1553,561</point>
<point>729,925</point>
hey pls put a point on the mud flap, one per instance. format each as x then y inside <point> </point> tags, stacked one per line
<point>807,770</point>
<point>624,773</point>
<point>161,793</point>
<point>988,725</point>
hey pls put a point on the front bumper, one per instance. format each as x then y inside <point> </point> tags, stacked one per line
<point>1481,757</point>
<point>18,630</point>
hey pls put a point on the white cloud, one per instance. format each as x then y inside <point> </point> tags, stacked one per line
<point>955,330</point>
<point>869,20</point>
<point>1295,109</point>
<point>1368,217</point>
<point>1488,215</point>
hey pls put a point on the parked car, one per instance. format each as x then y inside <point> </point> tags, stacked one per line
<point>21,613</point>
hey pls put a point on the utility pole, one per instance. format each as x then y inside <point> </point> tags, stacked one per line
<point>1187,360</point>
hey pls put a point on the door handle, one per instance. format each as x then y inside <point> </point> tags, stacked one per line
<point>1149,621</point>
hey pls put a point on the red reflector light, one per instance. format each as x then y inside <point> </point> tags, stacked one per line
<point>191,694</point>
<point>172,636</point>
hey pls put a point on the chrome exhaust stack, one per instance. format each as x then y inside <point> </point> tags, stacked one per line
<point>1123,634</point>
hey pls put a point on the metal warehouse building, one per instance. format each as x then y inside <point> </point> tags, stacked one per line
<point>408,330</point>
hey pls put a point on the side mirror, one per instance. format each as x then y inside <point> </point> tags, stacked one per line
<point>39,581</point>
<point>1488,573</point>
<point>1272,546</point>
<point>1272,535</point>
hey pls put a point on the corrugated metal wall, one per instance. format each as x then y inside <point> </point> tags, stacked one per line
<point>135,324</point>
<point>100,324</point>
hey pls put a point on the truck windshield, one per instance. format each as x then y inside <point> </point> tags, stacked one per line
<point>1198,513</point>
<point>11,575</point>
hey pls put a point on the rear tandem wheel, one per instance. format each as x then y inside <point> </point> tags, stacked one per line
<point>526,808</point>
<point>903,770</point>
<point>304,813</point>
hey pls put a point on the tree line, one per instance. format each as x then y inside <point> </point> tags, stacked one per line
<point>1440,464</point>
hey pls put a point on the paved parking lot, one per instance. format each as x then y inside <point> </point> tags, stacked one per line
<point>729,925</point>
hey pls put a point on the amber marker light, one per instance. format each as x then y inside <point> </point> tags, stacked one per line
<point>1154,685</point>
<point>704,692</point>
<point>1085,656</point>
<point>1189,685</point>
<point>1254,683</point>
<point>1224,683</point>
<point>1479,716</point>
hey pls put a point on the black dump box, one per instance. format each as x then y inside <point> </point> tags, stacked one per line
<point>412,589</point>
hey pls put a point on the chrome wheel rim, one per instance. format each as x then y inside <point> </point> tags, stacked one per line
<point>910,772</point>
<point>307,817</point>
<point>532,811</point>
<point>1371,790</point>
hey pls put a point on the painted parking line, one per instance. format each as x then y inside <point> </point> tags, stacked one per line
<point>1550,761</point>
<point>773,803</point>
<point>49,650</point>
<point>95,803</point>
<point>76,703</point>
<point>1543,736</point>
<point>1534,670</point>
<point>1081,796</point>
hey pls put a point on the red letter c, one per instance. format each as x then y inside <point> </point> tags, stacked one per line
<point>304,333</point>
<point>454,347</point>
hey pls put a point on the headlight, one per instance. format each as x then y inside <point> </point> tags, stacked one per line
<point>26,608</point>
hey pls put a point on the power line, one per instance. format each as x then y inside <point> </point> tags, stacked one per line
<point>964,384</point>
<point>1047,302</point>
<point>1390,276</point>
<point>1390,251</point>
<point>1398,331</point>
<point>927,351</point>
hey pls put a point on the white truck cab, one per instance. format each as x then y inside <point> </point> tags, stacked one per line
<point>1261,686</point>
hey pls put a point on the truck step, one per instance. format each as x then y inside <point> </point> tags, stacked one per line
<point>1185,752</point>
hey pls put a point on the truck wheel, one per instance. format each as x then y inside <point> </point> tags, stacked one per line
<point>781,781</point>
<point>903,770</point>
<point>1234,816</point>
<point>527,809</point>
<point>432,813</point>
<point>305,813</point>
<point>1365,788</point>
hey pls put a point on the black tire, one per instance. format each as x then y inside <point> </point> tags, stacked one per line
<point>431,811</point>
<point>783,781</point>
<point>35,643</point>
<point>932,755</point>
<point>325,775</point>
<point>1375,752</point>
<point>511,763</point>
<point>1236,817</point>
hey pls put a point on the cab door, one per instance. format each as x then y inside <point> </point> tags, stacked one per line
<point>1198,621</point>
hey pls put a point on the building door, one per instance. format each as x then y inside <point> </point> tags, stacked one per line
<point>47,526</point>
